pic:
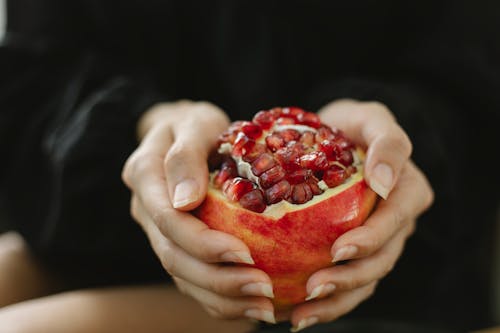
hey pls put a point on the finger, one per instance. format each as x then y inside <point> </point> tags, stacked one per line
<point>411,196</point>
<point>331,308</point>
<point>224,280</point>
<point>372,125</point>
<point>185,230</point>
<point>223,307</point>
<point>360,272</point>
<point>148,157</point>
<point>144,174</point>
<point>186,162</point>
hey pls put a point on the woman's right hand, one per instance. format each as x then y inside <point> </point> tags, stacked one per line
<point>168,176</point>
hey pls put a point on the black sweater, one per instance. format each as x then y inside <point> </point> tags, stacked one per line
<point>76,75</point>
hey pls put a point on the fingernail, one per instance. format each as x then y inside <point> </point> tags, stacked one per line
<point>344,253</point>
<point>259,314</point>
<point>185,192</point>
<point>304,323</point>
<point>258,289</point>
<point>321,290</point>
<point>238,256</point>
<point>381,180</point>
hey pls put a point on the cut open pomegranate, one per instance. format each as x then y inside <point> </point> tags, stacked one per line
<point>288,154</point>
<point>288,186</point>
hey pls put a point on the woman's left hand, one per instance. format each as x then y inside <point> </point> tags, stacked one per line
<point>370,251</point>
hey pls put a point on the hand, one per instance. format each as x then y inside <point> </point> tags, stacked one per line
<point>168,176</point>
<point>373,248</point>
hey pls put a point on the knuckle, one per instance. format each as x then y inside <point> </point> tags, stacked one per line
<point>222,310</point>
<point>140,164</point>
<point>125,175</point>
<point>132,166</point>
<point>429,197</point>
<point>399,142</point>
<point>351,282</point>
<point>181,286</point>
<point>208,249</point>
<point>386,269</point>
<point>403,142</point>
<point>216,284</point>
<point>412,226</point>
<point>168,258</point>
<point>372,241</point>
<point>407,144</point>
<point>212,312</point>
<point>134,209</point>
<point>380,109</point>
<point>425,190</point>
<point>397,217</point>
<point>162,215</point>
<point>177,154</point>
<point>371,290</point>
<point>209,114</point>
<point>163,218</point>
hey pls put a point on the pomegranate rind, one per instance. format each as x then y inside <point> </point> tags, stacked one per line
<point>291,242</point>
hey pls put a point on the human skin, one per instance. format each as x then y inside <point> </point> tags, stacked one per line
<point>168,176</point>
<point>33,299</point>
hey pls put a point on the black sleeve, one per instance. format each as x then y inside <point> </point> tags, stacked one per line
<point>68,111</point>
<point>444,93</point>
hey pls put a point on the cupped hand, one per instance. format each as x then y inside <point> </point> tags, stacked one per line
<point>168,176</point>
<point>369,252</point>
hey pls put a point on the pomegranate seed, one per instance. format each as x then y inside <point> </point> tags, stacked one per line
<point>292,112</point>
<point>275,142</point>
<point>278,192</point>
<point>257,150</point>
<point>221,176</point>
<point>288,157</point>
<point>324,133</point>
<point>315,160</point>
<point>242,145</point>
<point>227,171</point>
<point>307,139</point>
<point>343,142</point>
<point>301,193</point>
<point>309,119</point>
<point>253,200</point>
<point>288,163</point>
<point>350,170</point>
<point>235,188</point>
<point>276,112</point>
<point>227,136</point>
<point>298,176</point>
<point>331,149</point>
<point>346,157</point>
<point>263,163</point>
<point>297,148</point>
<point>252,130</point>
<point>289,135</point>
<point>313,184</point>
<point>271,176</point>
<point>334,176</point>
<point>265,119</point>
<point>285,121</point>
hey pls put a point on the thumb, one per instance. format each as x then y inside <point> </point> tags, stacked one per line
<point>186,168</point>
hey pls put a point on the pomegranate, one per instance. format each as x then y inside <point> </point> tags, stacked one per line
<point>288,186</point>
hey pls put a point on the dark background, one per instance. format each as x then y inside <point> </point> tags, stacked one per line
<point>76,75</point>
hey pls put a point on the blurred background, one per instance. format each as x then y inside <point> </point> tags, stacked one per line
<point>2,17</point>
<point>497,258</point>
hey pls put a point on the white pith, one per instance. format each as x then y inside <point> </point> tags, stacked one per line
<point>283,207</point>
<point>279,209</point>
